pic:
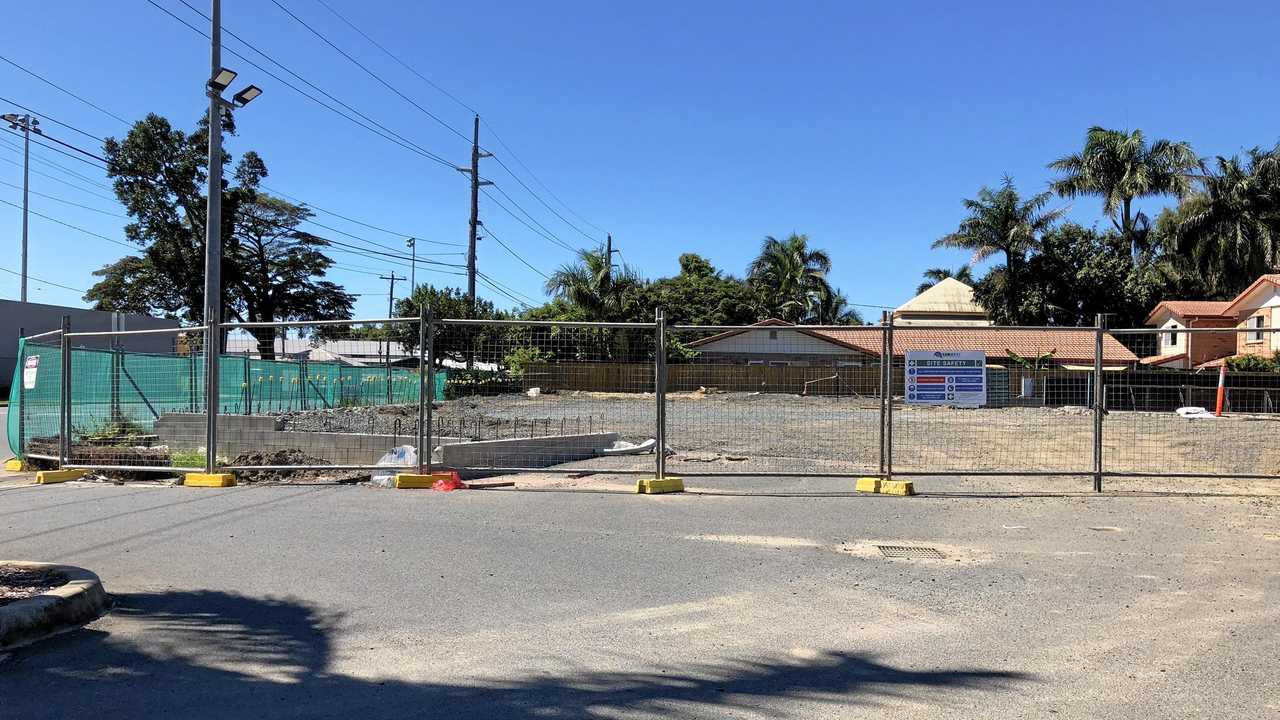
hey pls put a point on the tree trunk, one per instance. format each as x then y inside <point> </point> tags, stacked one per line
<point>266,338</point>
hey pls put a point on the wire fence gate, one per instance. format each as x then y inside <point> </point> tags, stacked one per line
<point>339,400</point>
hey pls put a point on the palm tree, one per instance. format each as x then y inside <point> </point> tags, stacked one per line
<point>1120,167</point>
<point>1001,222</point>
<point>790,279</point>
<point>591,285</point>
<point>935,275</point>
<point>833,309</point>
<point>1230,232</point>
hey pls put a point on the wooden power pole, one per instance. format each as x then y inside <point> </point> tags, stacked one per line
<point>476,184</point>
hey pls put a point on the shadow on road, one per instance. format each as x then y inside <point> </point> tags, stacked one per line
<point>218,655</point>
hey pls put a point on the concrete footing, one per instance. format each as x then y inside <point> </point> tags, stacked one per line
<point>209,480</point>
<point>655,486</point>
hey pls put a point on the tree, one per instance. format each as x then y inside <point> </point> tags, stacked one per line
<point>935,275</point>
<point>833,309</point>
<point>451,342</point>
<point>1121,167</point>
<point>699,294</point>
<point>1001,222</point>
<point>789,279</point>
<point>593,286</point>
<point>1229,233</point>
<point>271,270</point>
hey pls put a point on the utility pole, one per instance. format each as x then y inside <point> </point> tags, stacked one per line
<point>608,257</point>
<point>476,184</point>
<point>28,125</point>
<point>391,311</point>
<point>413,264</point>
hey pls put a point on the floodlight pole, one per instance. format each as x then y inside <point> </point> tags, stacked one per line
<point>26,184</point>
<point>213,240</point>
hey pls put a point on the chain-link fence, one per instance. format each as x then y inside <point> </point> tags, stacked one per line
<point>337,400</point>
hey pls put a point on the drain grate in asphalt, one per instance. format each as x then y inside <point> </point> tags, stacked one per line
<point>910,551</point>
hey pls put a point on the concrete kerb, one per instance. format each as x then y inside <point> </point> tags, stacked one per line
<point>63,608</point>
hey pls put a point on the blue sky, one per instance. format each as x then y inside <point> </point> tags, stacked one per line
<point>681,127</point>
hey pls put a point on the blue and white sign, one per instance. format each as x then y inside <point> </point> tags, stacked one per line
<point>947,378</point>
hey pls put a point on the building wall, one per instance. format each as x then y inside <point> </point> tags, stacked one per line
<point>1246,343</point>
<point>1203,347</point>
<point>772,343</point>
<point>34,318</point>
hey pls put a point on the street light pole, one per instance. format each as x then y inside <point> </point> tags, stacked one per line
<point>413,264</point>
<point>28,125</point>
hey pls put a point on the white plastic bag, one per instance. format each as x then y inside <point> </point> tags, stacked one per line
<point>399,458</point>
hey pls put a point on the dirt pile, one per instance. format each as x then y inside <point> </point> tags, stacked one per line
<point>292,457</point>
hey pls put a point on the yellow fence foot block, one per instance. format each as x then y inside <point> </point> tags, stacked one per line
<point>209,480</point>
<point>867,485</point>
<point>14,465</point>
<point>654,486</point>
<point>897,487</point>
<point>414,481</point>
<point>44,477</point>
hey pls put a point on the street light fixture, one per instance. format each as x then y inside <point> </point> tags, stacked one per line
<point>246,96</point>
<point>222,80</point>
<point>28,125</point>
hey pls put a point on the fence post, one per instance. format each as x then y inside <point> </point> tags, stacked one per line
<point>20,452</point>
<point>426,387</point>
<point>211,394</point>
<point>885,360</point>
<point>660,392</point>
<point>1097,403</point>
<point>64,407</point>
<point>248,389</point>
<point>888,401</point>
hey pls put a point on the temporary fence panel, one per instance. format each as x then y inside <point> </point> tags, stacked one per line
<point>546,396</point>
<point>1146,433</point>
<point>773,400</point>
<point>1035,417</point>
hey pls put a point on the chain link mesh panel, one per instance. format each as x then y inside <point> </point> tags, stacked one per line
<point>546,396</point>
<point>773,400</point>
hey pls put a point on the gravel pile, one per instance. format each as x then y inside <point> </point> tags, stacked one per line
<point>376,420</point>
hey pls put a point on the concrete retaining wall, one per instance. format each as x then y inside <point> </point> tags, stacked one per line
<point>526,452</point>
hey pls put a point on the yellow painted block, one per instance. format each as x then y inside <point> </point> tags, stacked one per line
<point>414,481</point>
<point>654,486</point>
<point>44,477</point>
<point>14,465</point>
<point>897,487</point>
<point>867,485</point>
<point>209,480</point>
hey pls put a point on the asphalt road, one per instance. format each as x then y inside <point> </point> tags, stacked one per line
<point>316,602</point>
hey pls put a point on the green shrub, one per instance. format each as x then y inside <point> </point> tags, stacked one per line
<point>1254,363</point>
<point>521,357</point>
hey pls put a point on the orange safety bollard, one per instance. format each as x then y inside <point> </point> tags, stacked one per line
<point>1222,389</point>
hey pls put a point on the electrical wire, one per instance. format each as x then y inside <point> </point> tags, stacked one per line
<point>490,234</point>
<point>539,230</point>
<point>357,222</point>
<point>55,178</point>
<point>43,116</point>
<point>66,202</point>
<point>527,169</point>
<point>384,133</point>
<point>50,163</point>
<point>55,86</point>
<point>369,72</point>
<point>73,227</point>
<point>46,282</point>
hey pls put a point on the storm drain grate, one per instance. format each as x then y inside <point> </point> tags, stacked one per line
<point>909,551</point>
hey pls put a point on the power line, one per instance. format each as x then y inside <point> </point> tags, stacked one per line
<point>73,227</point>
<point>59,166</point>
<point>46,282</point>
<point>544,203</point>
<point>67,202</point>
<point>543,232</point>
<point>514,254</point>
<point>369,72</point>
<point>384,133</point>
<point>55,178</point>
<point>403,64</point>
<point>35,141</point>
<point>313,206</point>
<point>55,86</point>
<point>541,184</point>
<point>498,287</point>
<point>45,116</point>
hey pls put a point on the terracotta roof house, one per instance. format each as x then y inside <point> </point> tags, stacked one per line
<point>779,343</point>
<point>949,302</point>
<point>1190,350</point>
<point>1249,315</point>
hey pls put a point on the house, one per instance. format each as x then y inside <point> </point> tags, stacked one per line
<point>778,343</point>
<point>1247,320</point>
<point>949,302</point>
<point>1190,350</point>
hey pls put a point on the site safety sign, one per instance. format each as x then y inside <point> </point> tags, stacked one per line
<point>947,378</point>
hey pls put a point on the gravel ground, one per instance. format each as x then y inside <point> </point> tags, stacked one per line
<point>754,432</point>
<point>20,583</point>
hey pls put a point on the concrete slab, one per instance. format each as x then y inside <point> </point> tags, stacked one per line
<point>531,452</point>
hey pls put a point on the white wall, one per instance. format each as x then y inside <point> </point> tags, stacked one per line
<point>784,342</point>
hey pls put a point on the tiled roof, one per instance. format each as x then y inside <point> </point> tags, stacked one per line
<point>1192,308</point>
<point>1162,359</point>
<point>1272,278</point>
<point>1068,346</point>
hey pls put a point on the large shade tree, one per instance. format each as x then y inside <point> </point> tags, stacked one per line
<point>1001,222</point>
<point>789,278</point>
<point>1120,167</point>
<point>271,269</point>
